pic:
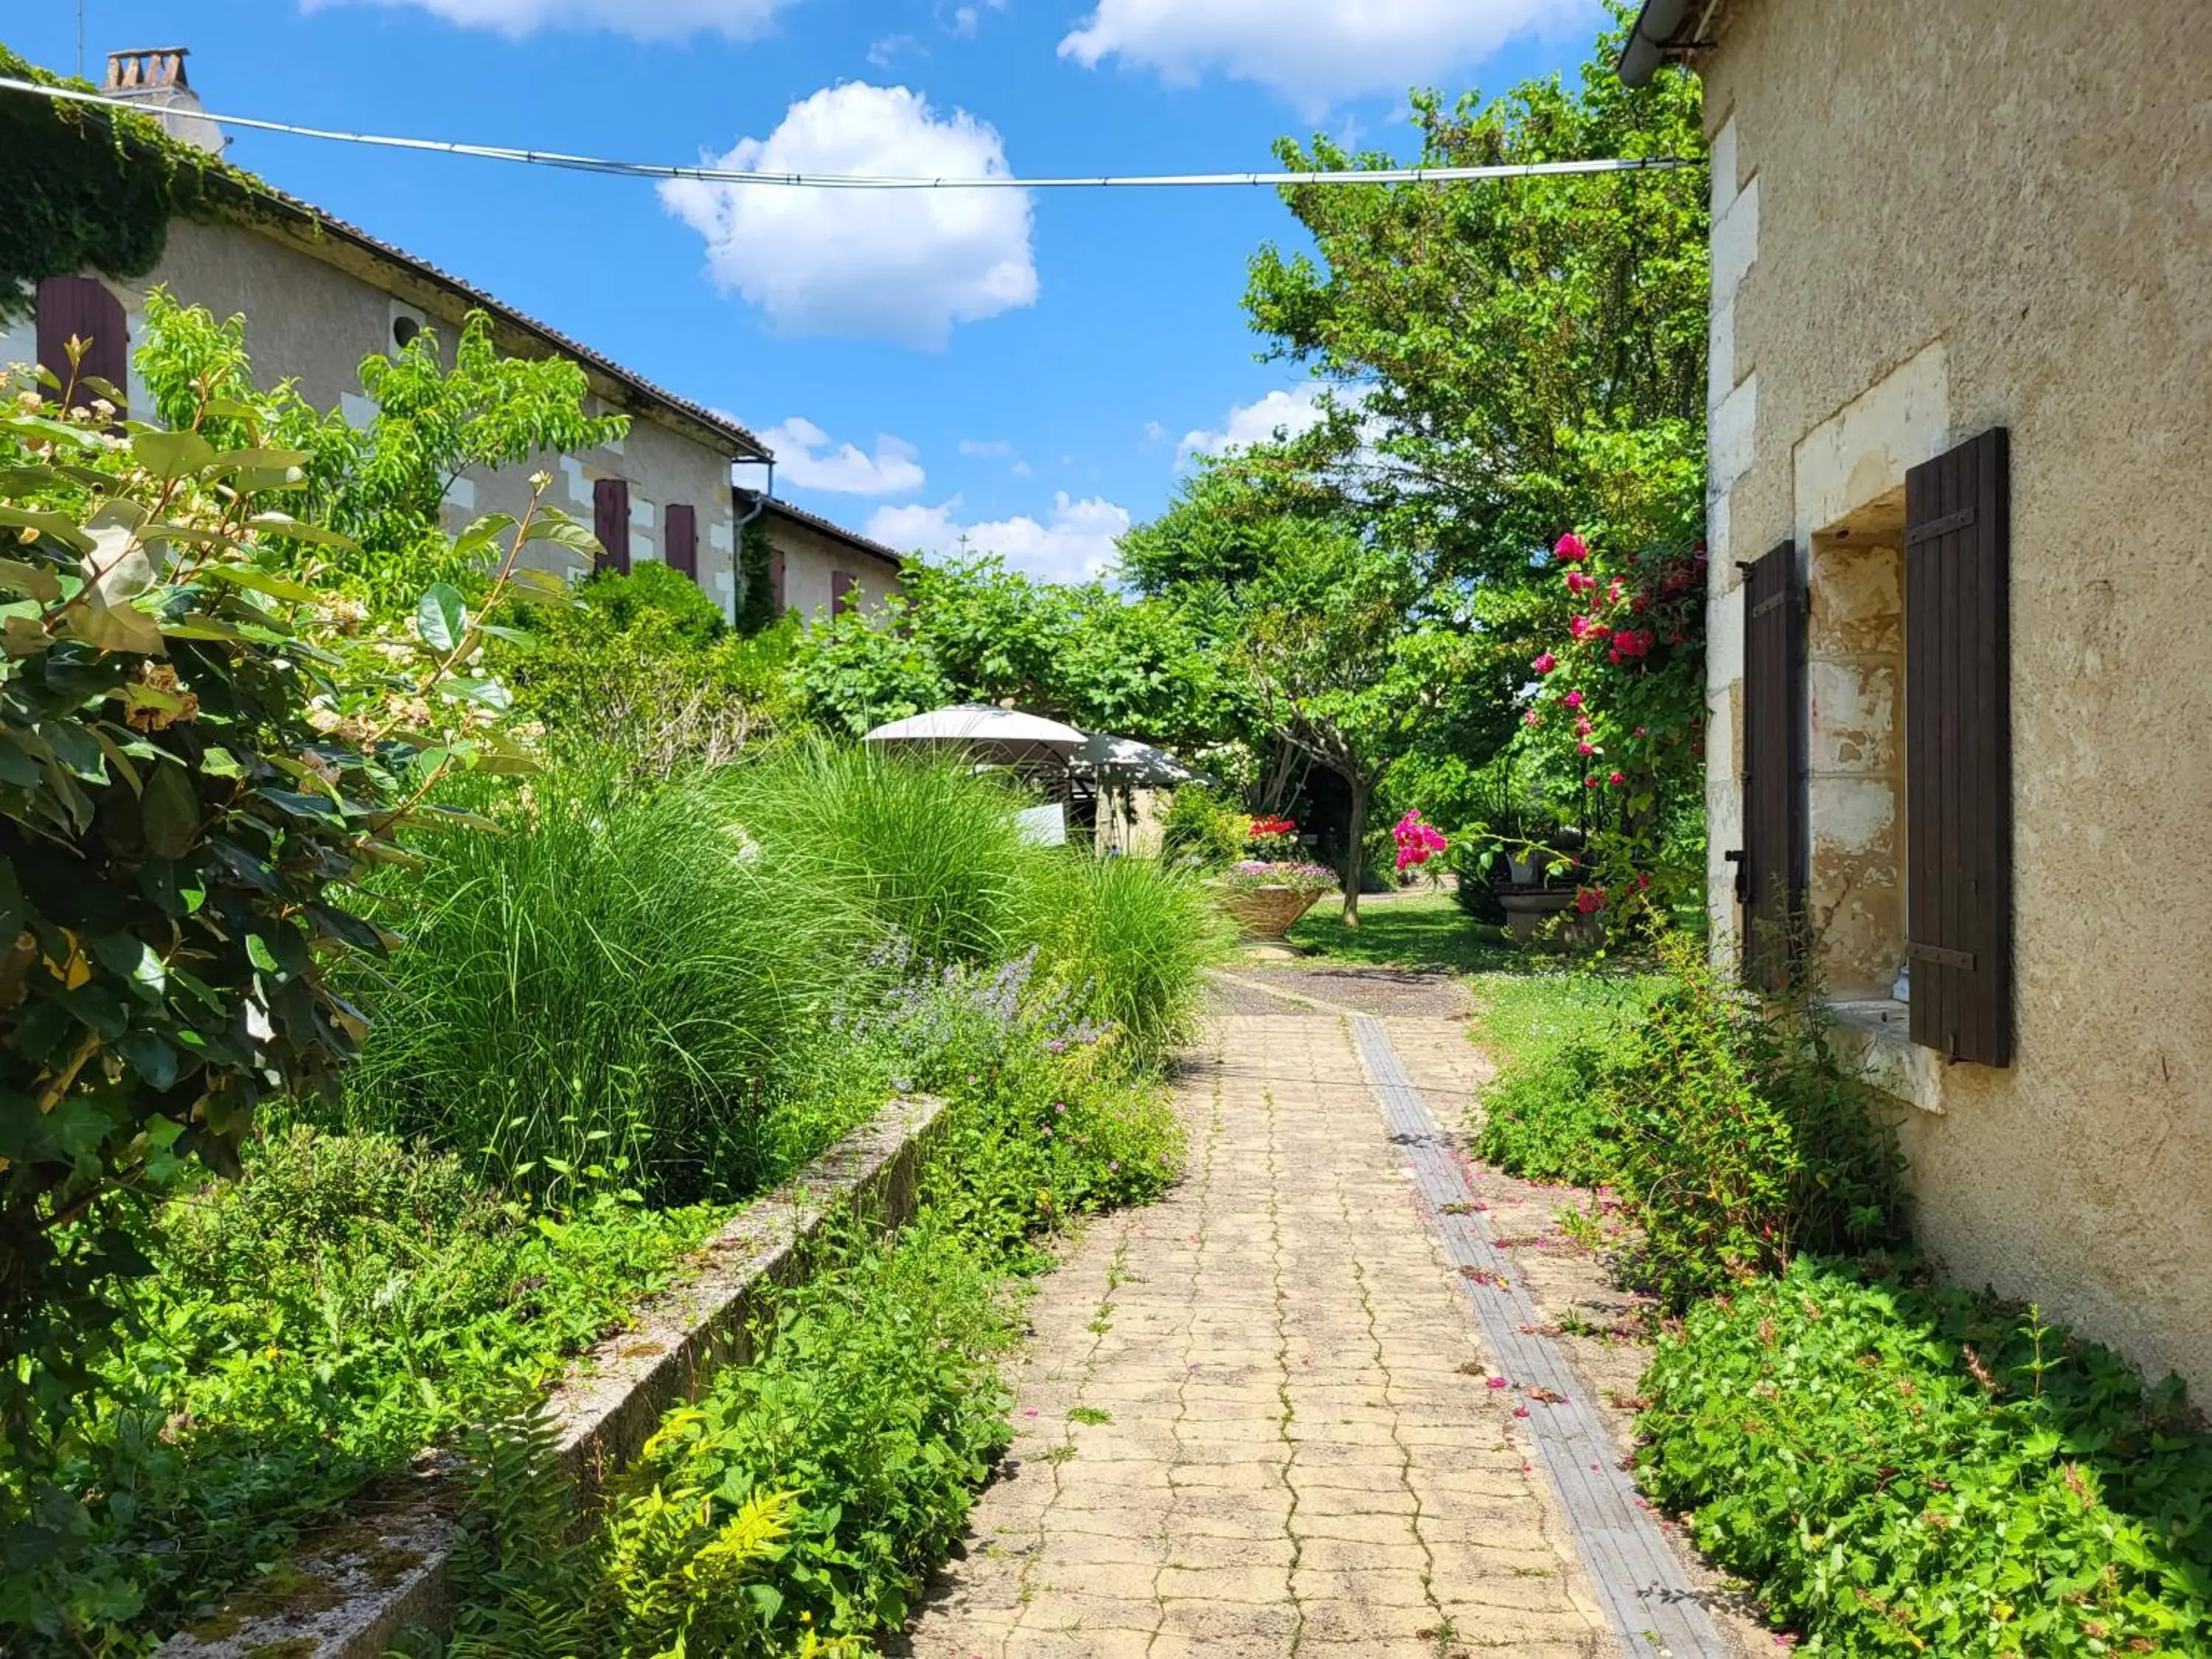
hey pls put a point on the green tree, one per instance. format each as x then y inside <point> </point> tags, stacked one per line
<point>1351,648</point>
<point>383,486</point>
<point>1520,357</point>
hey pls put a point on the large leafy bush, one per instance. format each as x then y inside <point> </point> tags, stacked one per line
<point>1909,1470</point>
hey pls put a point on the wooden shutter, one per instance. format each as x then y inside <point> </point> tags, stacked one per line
<point>775,579</point>
<point>680,540</point>
<point>82,307</point>
<point>611,523</point>
<point>1773,878</point>
<point>844,592</point>
<point>1958,750</point>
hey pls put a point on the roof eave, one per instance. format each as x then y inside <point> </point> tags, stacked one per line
<point>1664,31</point>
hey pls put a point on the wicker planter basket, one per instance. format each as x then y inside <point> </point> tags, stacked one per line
<point>1267,912</point>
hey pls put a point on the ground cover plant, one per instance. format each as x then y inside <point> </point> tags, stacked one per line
<point>1902,1469</point>
<point>306,1327</point>
<point>803,1499</point>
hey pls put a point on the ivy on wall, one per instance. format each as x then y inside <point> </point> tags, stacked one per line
<point>90,188</point>
<point>755,581</point>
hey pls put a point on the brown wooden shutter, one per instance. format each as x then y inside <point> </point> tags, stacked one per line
<point>681,539</point>
<point>611,523</point>
<point>1771,882</point>
<point>844,592</point>
<point>1958,750</point>
<point>775,579</point>
<point>82,307</point>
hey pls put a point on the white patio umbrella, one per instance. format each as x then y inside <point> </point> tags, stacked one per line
<point>1127,763</point>
<point>1003,736</point>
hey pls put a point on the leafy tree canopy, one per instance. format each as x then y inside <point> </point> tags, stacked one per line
<point>1526,356</point>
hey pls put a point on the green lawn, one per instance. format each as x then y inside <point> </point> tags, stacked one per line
<point>1427,932</point>
<point>1528,1001</point>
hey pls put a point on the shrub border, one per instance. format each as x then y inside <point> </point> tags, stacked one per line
<point>353,1586</point>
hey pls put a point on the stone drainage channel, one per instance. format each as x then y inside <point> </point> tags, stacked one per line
<point>1648,1599</point>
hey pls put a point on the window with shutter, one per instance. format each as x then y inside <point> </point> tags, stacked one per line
<point>611,523</point>
<point>1770,879</point>
<point>1958,750</point>
<point>844,592</point>
<point>82,308</point>
<point>680,540</point>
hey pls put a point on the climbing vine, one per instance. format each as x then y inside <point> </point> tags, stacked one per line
<point>92,188</point>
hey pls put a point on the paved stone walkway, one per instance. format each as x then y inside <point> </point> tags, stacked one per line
<point>1253,1419</point>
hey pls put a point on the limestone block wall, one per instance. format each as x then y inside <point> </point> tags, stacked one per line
<point>1928,222</point>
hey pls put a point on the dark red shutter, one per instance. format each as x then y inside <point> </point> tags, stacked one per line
<point>1958,750</point>
<point>681,537</point>
<point>844,592</point>
<point>611,523</point>
<point>1771,882</point>
<point>82,307</point>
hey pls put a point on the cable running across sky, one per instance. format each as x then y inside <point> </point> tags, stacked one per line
<point>882,181</point>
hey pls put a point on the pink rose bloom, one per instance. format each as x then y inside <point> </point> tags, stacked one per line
<point>1590,782</point>
<point>1586,747</point>
<point>1544,663</point>
<point>1574,700</point>
<point>1570,548</point>
<point>1532,718</point>
<point>1616,779</point>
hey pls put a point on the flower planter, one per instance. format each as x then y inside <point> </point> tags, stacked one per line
<point>1267,912</point>
<point>1526,912</point>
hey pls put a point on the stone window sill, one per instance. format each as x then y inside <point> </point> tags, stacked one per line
<point>1877,1032</point>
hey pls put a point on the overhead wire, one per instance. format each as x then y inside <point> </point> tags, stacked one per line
<point>721,175</point>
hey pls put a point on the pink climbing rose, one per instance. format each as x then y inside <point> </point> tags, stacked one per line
<point>1570,548</point>
<point>1587,900</point>
<point>1544,663</point>
<point>1573,699</point>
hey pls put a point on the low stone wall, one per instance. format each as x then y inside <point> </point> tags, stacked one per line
<point>350,1589</point>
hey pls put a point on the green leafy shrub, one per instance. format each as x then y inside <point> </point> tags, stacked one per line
<point>1553,1120</point>
<point>1745,1141</point>
<point>643,667</point>
<point>310,1326</point>
<point>1908,1470</point>
<point>198,753</point>
<point>1203,830</point>
<point>1736,1135</point>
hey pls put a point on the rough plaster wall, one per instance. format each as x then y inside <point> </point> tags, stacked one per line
<point>312,322</point>
<point>809,559</point>
<point>2022,185</point>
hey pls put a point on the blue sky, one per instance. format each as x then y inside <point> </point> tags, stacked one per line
<point>1030,370</point>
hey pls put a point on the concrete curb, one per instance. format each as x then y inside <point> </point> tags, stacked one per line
<point>350,1589</point>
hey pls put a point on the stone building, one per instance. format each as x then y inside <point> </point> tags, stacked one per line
<point>817,567</point>
<point>321,295</point>
<point>1960,486</point>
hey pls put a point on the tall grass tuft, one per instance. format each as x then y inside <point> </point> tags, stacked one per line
<point>1133,936</point>
<point>888,845</point>
<point>606,983</point>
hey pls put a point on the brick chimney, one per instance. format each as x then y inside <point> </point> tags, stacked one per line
<point>155,76</point>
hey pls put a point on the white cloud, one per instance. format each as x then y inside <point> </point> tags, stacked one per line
<point>1282,414</point>
<point>902,265</point>
<point>1023,469</point>
<point>986,447</point>
<point>884,53</point>
<point>1074,543</point>
<point>893,470</point>
<point>1314,53</point>
<point>658,20</point>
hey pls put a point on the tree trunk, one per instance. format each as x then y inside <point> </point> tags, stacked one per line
<point>1354,858</point>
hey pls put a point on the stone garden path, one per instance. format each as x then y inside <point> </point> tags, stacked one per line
<point>1256,1419</point>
